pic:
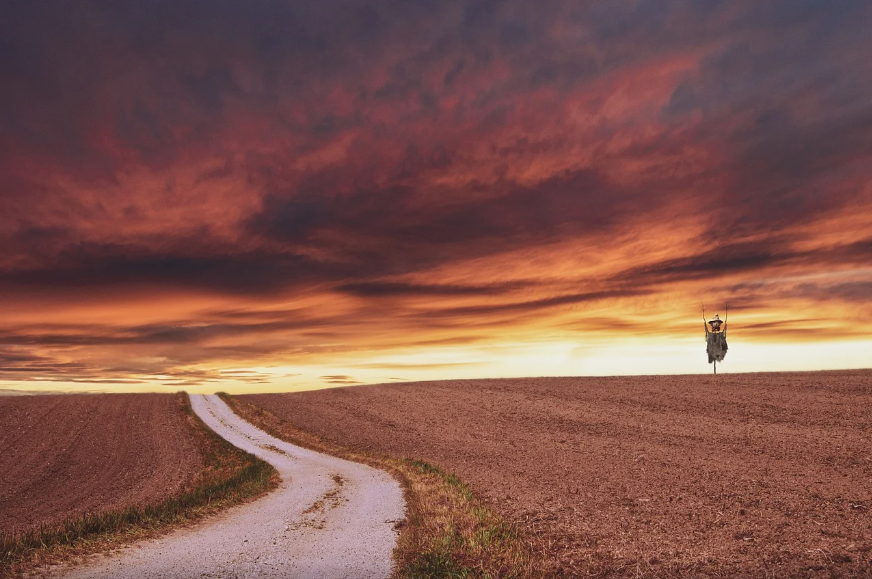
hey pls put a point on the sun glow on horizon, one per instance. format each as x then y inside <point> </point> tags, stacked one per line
<point>517,360</point>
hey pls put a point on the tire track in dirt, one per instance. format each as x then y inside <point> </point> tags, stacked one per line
<point>329,518</point>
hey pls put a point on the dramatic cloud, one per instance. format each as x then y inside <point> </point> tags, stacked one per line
<point>287,194</point>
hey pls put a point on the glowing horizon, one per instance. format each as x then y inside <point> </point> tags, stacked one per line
<point>274,196</point>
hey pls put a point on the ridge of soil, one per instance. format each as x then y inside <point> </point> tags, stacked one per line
<point>735,476</point>
<point>66,455</point>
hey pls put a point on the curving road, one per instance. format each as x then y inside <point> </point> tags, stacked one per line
<point>329,518</point>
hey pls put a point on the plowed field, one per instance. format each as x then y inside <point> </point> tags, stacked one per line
<point>738,475</point>
<point>66,455</point>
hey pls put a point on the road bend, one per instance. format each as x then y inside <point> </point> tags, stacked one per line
<point>330,518</point>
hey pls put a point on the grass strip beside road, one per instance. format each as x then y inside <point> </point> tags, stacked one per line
<point>448,531</point>
<point>229,476</point>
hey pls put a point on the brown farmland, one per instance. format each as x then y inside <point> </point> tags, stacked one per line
<point>739,475</point>
<point>65,455</point>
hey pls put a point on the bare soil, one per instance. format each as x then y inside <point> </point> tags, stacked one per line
<point>65,455</point>
<point>731,476</point>
<point>329,519</point>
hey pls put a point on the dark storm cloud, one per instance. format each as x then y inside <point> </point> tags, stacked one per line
<point>274,149</point>
<point>156,79</point>
<point>783,170</point>
<point>400,230</point>
<point>746,258</point>
<point>295,50</point>
<point>782,98</point>
<point>741,257</point>
<point>90,266</point>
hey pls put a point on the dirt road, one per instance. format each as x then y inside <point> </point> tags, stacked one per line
<point>329,518</point>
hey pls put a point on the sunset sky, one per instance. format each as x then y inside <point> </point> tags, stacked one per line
<point>277,195</point>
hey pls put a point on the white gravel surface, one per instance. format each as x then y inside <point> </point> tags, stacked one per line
<point>330,518</point>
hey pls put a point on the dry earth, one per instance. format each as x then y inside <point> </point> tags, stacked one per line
<point>739,475</point>
<point>329,519</point>
<point>65,455</point>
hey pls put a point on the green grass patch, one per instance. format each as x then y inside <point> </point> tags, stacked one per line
<point>456,536</point>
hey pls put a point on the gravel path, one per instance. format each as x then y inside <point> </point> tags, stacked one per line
<point>329,518</point>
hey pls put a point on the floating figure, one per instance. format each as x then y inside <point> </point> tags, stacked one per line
<point>715,338</point>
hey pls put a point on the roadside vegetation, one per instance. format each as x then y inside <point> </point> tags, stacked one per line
<point>229,476</point>
<point>448,531</point>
